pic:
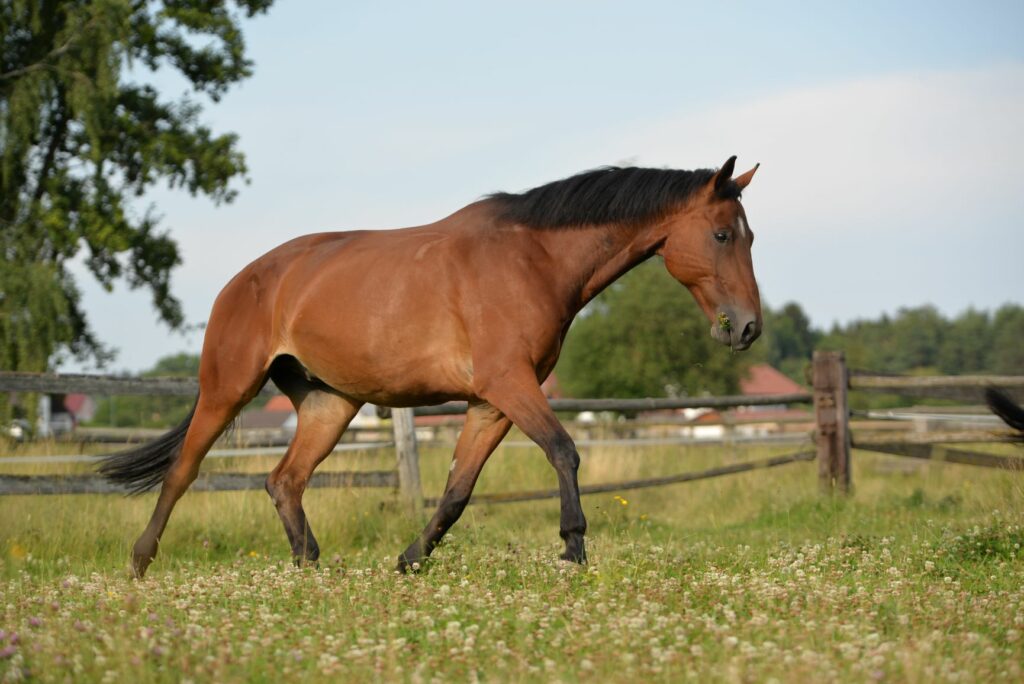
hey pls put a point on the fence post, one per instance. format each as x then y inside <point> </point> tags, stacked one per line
<point>832,415</point>
<point>409,487</point>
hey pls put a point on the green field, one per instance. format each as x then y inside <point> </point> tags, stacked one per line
<point>916,577</point>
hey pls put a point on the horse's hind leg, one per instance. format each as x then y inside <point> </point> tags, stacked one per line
<point>484,429</point>
<point>208,422</point>
<point>323,416</point>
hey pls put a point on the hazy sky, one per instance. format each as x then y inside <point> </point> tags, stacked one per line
<point>890,137</point>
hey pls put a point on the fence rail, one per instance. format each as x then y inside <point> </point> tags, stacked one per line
<point>406,474</point>
<point>955,387</point>
<point>834,435</point>
<point>453,408</point>
<point>206,482</point>
<point>513,497</point>
<point>108,385</point>
<point>68,383</point>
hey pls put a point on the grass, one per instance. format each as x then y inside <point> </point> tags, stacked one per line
<point>915,577</point>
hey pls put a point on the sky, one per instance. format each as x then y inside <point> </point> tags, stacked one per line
<point>890,138</point>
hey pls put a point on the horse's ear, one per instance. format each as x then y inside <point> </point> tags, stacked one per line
<point>744,180</point>
<point>724,174</point>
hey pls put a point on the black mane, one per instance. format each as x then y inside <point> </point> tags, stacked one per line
<point>606,195</point>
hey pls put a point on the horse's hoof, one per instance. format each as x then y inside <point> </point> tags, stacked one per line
<point>139,566</point>
<point>578,557</point>
<point>407,565</point>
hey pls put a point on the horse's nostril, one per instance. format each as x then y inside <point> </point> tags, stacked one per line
<point>749,333</point>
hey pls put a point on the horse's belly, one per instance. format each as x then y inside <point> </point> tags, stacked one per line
<point>378,316</point>
<point>401,382</point>
<point>390,355</point>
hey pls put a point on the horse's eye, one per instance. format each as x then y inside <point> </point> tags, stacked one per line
<point>722,236</point>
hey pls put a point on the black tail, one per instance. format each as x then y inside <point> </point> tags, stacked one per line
<point>144,467</point>
<point>1006,408</point>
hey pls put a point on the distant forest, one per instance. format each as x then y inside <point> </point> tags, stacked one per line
<point>917,340</point>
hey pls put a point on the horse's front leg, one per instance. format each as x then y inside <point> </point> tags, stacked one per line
<point>520,397</point>
<point>484,429</point>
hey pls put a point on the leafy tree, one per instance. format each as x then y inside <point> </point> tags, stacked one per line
<point>81,137</point>
<point>1007,355</point>
<point>33,311</point>
<point>644,337</point>
<point>966,344</point>
<point>182,365</point>
<point>787,341</point>
<point>916,338</point>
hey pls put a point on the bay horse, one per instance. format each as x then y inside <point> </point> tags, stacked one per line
<point>474,307</point>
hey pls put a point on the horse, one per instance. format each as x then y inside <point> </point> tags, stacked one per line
<point>473,307</point>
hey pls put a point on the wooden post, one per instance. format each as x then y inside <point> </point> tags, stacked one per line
<point>409,487</point>
<point>832,415</point>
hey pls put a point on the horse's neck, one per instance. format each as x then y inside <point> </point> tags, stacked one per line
<point>591,258</point>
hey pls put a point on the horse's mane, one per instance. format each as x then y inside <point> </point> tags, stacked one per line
<point>607,195</point>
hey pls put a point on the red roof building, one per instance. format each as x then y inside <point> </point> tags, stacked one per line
<point>762,379</point>
<point>279,402</point>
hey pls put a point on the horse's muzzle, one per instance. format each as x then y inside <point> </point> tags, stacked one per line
<point>735,328</point>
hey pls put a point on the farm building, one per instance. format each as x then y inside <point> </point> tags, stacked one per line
<point>751,421</point>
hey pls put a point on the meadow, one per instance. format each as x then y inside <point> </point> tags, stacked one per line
<point>917,576</point>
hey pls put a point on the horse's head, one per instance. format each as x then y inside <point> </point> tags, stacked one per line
<point>707,248</point>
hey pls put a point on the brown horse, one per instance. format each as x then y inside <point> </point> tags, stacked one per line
<point>473,307</point>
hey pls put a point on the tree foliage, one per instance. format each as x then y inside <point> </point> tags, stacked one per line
<point>787,340</point>
<point>82,137</point>
<point>922,340</point>
<point>645,337</point>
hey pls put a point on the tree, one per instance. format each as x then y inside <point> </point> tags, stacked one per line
<point>1007,355</point>
<point>80,142</point>
<point>966,344</point>
<point>644,337</point>
<point>788,341</point>
<point>916,338</point>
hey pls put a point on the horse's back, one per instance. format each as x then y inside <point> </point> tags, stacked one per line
<point>393,317</point>
<point>371,313</point>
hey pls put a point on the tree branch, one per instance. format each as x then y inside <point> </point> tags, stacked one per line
<point>53,54</point>
<point>60,127</point>
<point>41,64</point>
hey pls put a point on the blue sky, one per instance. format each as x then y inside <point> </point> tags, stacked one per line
<point>889,135</point>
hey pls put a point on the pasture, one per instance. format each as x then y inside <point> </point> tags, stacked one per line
<point>917,576</point>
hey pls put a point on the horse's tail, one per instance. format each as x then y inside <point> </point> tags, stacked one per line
<point>1006,408</point>
<point>144,467</point>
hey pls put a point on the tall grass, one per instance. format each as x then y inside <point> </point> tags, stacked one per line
<point>916,576</point>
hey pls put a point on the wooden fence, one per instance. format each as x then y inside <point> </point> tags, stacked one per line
<point>834,438</point>
<point>405,476</point>
<point>837,437</point>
